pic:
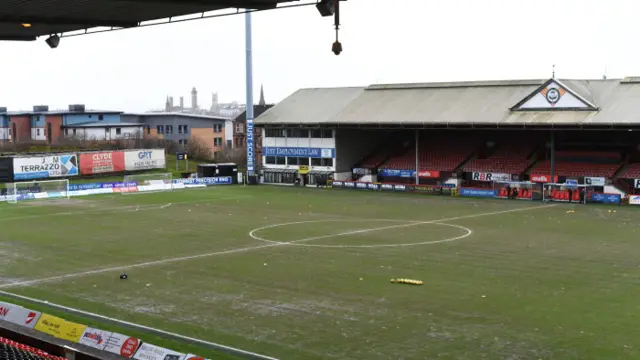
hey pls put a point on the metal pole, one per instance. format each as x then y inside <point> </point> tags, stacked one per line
<point>249,90</point>
<point>417,163</point>
<point>552,148</point>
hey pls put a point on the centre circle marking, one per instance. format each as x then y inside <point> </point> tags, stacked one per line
<point>299,242</point>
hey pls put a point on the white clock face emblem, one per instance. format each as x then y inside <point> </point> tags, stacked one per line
<point>553,95</point>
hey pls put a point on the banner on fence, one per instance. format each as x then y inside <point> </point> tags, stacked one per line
<point>594,181</point>
<point>153,352</point>
<point>122,345</point>
<point>430,189</point>
<point>541,178</point>
<point>144,159</point>
<point>636,183</point>
<point>634,200</point>
<point>221,180</point>
<point>102,162</point>
<point>489,177</point>
<point>95,338</point>
<point>51,325</point>
<point>22,316</point>
<point>44,167</point>
<point>408,173</point>
<point>472,192</point>
<point>602,198</point>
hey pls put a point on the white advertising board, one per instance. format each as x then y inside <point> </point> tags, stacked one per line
<point>45,167</point>
<point>95,338</point>
<point>489,177</point>
<point>594,181</point>
<point>636,183</point>
<point>634,200</point>
<point>194,357</point>
<point>144,159</point>
<point>152,352</point>
<point>122,345</point>
<point>19,315</point>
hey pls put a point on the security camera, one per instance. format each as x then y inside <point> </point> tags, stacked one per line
<point>337,48</point>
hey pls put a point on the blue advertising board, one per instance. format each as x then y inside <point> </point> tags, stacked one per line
<point>601,198</point>
<point>397,173</point>
<point>472,192</point>
<point>92,186</point>
<point>250,154</point>
<point>221,180</point>
<point>325,153</point>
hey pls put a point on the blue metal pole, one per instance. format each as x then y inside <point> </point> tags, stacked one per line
<point>249,74</point>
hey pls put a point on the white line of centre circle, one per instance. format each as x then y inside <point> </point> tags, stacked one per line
<point>302,242</point>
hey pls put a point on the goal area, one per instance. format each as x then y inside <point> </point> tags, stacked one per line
<point>517,190</point>
<point>569,193</point>
<point>37,190</point>
<point>153,182</point>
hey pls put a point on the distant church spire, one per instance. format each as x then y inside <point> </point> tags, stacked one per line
<point>167,105</point>
<point>262,102</point>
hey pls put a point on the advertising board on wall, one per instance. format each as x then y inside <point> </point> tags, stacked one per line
<point>144,160</point>
<point>601,198</point>
<point>153,352</point>
<point>636,183</point>
<point>250,147</point>
<point>477,192</point>
<point>122,345</point>
<point>634,200</point>
<point>45,167</point>
<point>489,177</point>
<point>18,315</point>
<point>409,173</point>
<point>325,153</point>
<point>594,181</point>
<point>220,180</point>
<point>542,178</point>
<point>95,338</point>
<point>102,162</point>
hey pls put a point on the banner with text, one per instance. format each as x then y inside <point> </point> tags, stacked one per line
<point>144,160</point>
<point>634,200</point>
<point>102,162</point>
<point>95,338</point>
<point>122,345</point>
<point>221,180</point>
<point>153,352</point>
<point>594,181</point>
<point>473,192</point>
<point>601,198</point>
<point>542,178</point>
<point>18,315</point>
<point>45,167</point>
<point>408,173</point>
<point>636,183</point>
<point>299,152</point>
<point>489,177</point>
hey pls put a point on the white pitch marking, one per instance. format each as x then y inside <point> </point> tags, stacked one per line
<point>411,223</point>
<point>245,249</point>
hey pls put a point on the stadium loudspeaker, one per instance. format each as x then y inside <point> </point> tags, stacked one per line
<point>53,41</point>
<point>326,8</point>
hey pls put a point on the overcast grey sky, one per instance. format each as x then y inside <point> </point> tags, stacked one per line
<point>384,41</point>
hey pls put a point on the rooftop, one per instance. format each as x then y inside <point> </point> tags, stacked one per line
<point>179,114</point>
<point>25,20</point>
<point>100,124</point>
<point>508,103</point>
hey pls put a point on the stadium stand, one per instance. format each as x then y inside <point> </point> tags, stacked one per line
<point>582,163</point>
<point>441,154</point>
<point>511,156</point>
<point>632,172</point>
<point>11,350</point>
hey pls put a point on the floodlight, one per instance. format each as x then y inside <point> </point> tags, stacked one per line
<point>53,41</point>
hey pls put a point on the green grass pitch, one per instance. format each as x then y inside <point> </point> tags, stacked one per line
<point>502,279</point>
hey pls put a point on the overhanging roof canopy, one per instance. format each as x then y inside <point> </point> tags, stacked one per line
<point>24,20</point>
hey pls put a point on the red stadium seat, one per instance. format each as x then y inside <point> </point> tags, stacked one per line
<point>567,168</point>
<point>632,172</point>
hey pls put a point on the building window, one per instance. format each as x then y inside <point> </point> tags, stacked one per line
<point>327,133</point>
<point>271,160</point>
<point>298,133</point>
<point>303,161</point>
<point>37,132</point>
<point>281,160</point>
<point>274,133</point>
<point>316,133</point>
<point>148,129</point>
<point>186,129</point>
<point>183,129</point>
<point>118,131</point>
<point>169,129</point>
<point>321,162</point>
<point>183,142</point>
<point>239,128</point>
<point>74,132</point>
<point>275,160</point>
<point>100,117</point>
<point>160,129</point>
<point>217,128</point>
<point>217,142</point>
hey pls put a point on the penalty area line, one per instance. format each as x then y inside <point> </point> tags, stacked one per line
<point>251,248</point>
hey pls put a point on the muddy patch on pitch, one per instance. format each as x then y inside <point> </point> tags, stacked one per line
<point>64,202</point>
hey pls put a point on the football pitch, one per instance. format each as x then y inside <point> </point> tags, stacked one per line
<point>305,273</point>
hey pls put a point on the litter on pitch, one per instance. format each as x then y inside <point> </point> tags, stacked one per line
<point>407,281</point>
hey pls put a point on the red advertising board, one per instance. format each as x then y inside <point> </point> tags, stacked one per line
<point>429,174</point>
<point>541,178</point>
<point>102,162</point>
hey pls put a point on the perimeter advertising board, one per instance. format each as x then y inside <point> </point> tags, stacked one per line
<point>636,183</point>
<point>489,177</point>
<point>102,162</point>
<point>122,345</point>
<point>18,315</point>
<point>95,338</point>
<point>144,160</point>
<point>45,167</point>
<point>152,352</point>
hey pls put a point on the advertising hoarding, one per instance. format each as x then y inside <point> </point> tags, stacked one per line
<point>122,345</point>
<point>153,352</point>
<point>325,153</point>
<point>102,162</point>
<point>489,177</point>
<point>45,167</point>
<point>144,160</point>
<point>594,181</point>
